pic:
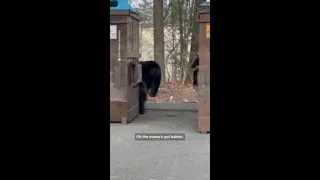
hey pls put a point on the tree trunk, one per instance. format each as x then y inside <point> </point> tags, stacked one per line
<point>182,40</point>
<point>174,56</point>
<point>173,71</point>
<point>158,29</point>
<point>175,67</point>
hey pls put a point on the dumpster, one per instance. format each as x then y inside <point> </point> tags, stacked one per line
<point>125,70</point>
<point>204,68</point>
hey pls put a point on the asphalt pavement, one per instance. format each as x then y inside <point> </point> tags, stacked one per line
<point>155,159</point>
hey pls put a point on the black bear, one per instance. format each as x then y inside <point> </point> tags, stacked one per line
<point>151,79</point>
<point>195,64</point>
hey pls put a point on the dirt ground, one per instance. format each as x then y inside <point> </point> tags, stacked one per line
<point>174,92</point>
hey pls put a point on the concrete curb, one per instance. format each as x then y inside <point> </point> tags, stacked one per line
<point>172,106</point>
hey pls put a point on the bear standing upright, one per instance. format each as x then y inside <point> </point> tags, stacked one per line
<point>195,66</point>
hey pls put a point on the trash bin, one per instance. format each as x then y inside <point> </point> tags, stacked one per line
<point>125,71</point>
<point>204,68</point>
